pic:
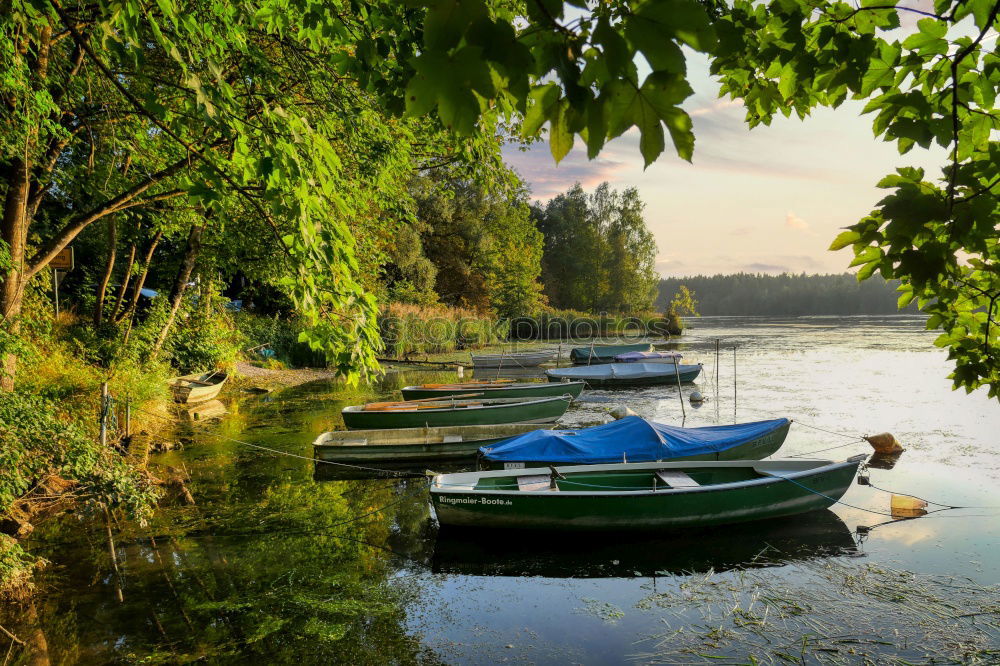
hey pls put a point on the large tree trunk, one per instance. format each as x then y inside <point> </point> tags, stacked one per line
<point>109,268</point>
<point>180,284</point>
<point>14,222</point>
<point>13,229</point>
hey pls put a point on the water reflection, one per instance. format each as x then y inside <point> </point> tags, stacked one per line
<point>884,460</point>
<point>760,544</point>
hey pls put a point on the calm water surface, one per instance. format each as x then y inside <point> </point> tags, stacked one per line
<point>280,562</point>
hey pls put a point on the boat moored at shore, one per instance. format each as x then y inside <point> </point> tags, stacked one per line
<point>640,496</point>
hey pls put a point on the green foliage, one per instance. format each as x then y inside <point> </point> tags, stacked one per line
<point>37,440</point>
<point>599,256</point>
<point>281,335</point>
<point>479,60</point>
<point>484,249</point>
<point>271,122</point>
<point>681,303</point>
<point>206,336</point>
<point>936,86</point>
<point>16,567</point>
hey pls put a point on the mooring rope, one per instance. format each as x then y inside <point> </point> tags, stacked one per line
<point>286,453</point>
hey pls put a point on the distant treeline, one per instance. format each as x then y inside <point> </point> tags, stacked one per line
<point>786,294</point>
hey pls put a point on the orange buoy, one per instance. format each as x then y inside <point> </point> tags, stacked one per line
<point>905,506</point>
<point>884,443</point>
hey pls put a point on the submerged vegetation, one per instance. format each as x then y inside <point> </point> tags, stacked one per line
<point>823,611</point>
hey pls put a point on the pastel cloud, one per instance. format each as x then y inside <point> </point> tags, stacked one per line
<point>547,179</point>
<point>793,221</point>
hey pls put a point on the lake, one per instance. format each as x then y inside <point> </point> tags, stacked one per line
<point>281,562</point>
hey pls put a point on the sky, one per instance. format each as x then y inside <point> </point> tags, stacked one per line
<point>768,200</point>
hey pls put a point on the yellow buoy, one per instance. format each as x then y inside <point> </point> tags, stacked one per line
<point>904,506</point>
<point>884,443</point>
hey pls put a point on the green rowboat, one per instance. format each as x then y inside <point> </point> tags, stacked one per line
<point>605,353</point>
<point>517,390</point>
<point>637,496</point>
<point>487,411</point>
<point>413,444</point>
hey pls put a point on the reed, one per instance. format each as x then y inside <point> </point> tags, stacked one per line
<point>428,329</point>
<point>575,325</point>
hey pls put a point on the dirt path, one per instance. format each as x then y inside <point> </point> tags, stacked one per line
<point>272,379</point>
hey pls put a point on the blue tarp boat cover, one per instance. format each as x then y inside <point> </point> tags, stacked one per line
<point>633,437</point>
<point>638,356</point>
<point>622,371</point>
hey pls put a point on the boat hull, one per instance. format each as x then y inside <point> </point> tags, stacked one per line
<point>543,410</point>
<point>757,448</point>
<point>758,499</point>
<point>413,444</point>
<point>522,390</point>
<point>185,392</point>
<point>686,374</point>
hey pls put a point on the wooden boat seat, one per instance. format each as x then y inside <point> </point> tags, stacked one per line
<point>534,482</point>
<point>676,479</point>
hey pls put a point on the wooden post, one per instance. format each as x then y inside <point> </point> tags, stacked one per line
<point>734,384</point>
<point>680,395</point>
<point>717,342</point>
<point>104,413</point>
<point>128,416</point>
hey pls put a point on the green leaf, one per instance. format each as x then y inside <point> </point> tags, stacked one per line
<point>788,80</point>
<point>844,239</point>
<point>560,137</point>
<point>684,20</point>
<point>867,270</point>
<point>597,127</point>
<point>447,21</point>
<point>678,122</point>
<point>617,55</point>
<point>543,105</point>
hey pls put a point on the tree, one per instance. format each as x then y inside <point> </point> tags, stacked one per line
<point>630,255</point>
<point>938,237</point>
<point>682,303</point>
<point>485,250</point>
<point>599,256</point>
<point>260,112</point>
<point>572,261</point>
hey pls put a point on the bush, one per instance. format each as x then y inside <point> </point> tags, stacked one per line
<point>204,335</point>
<point>282,337</point>
<point>39,440</point>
